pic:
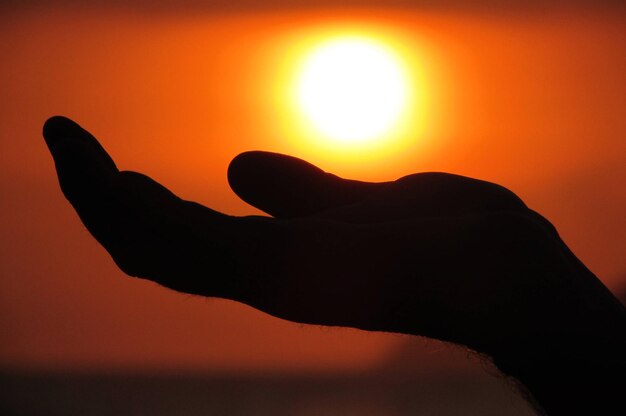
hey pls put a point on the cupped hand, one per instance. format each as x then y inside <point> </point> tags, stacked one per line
<point>434,254</point>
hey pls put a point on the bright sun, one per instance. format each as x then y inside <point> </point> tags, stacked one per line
<point>352,89</point>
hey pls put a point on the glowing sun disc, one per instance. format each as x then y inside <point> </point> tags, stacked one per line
<point>352,89</point>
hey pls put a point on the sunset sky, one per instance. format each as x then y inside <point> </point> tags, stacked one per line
<point>532,98</point>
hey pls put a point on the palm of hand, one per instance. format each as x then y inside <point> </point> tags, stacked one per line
<point>433,254</point>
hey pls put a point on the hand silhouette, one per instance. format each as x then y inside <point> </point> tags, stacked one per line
<point>432,254</point>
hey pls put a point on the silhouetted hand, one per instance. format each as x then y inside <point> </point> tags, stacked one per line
<point>431,254</point>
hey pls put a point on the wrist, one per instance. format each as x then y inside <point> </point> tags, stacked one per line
<point>573,361</point>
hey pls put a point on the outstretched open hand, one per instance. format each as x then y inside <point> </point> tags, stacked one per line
<point>433,254</point>
<point>430,254</point>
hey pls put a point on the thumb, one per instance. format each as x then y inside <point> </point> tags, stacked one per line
<point>287,187</point>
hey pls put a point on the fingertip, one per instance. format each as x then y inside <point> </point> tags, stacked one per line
<point>285,186</point>
<point>255,165</point>
<point>252,161</point>
<point>62,134</point>
<point>242,175</point>
<point>249,170</point>
<point>57,128</point>
<point>255,169</point>
<point>241,164</point>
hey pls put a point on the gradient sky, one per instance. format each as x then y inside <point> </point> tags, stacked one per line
<point>532,98</point>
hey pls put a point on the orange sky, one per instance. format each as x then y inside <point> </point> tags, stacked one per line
<point>533,101</point>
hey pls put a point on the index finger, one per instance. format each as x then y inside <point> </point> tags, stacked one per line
<point>84,168</point>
